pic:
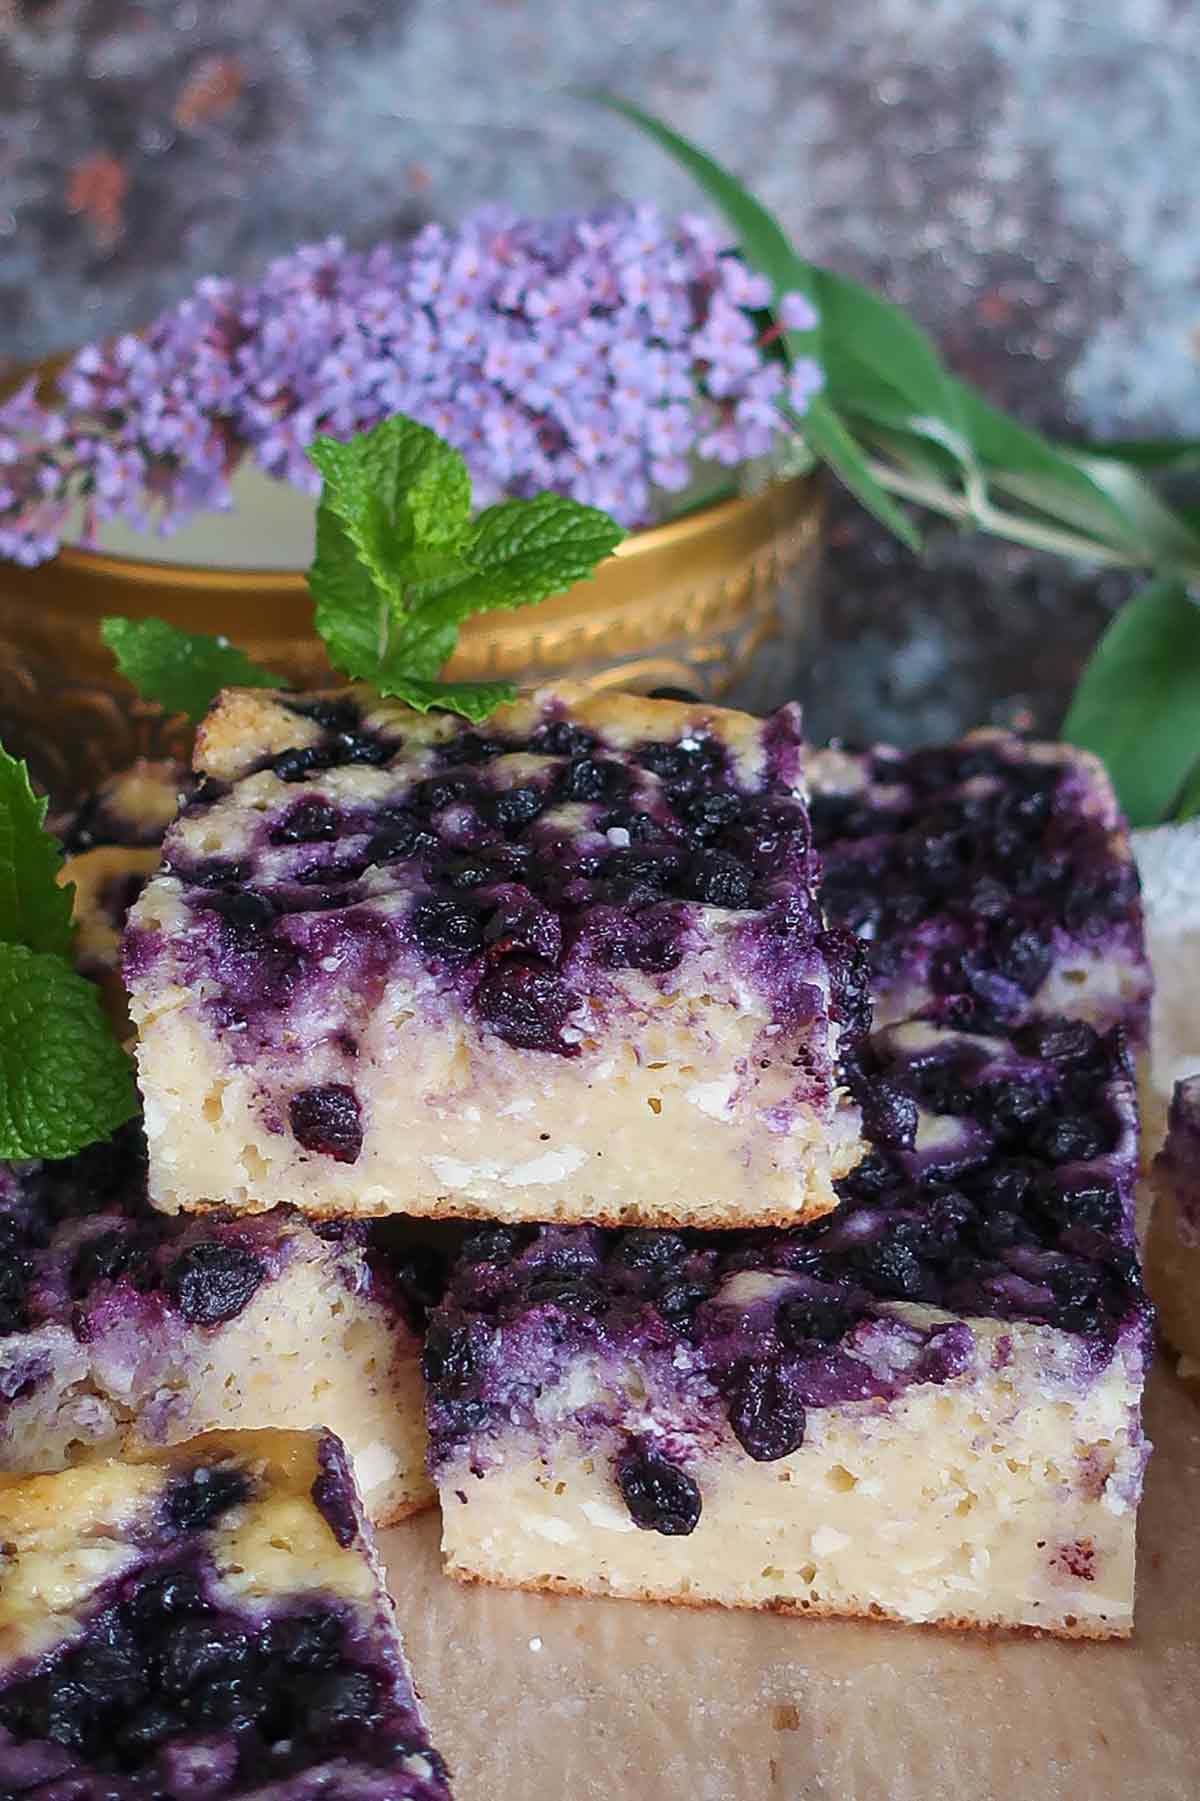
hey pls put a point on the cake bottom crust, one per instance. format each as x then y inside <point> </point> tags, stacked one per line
<point>1002,1500</point>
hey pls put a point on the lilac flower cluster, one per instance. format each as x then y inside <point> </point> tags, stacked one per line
<point>600,356</point>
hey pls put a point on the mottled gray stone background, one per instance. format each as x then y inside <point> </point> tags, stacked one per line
<point>1024,173</point>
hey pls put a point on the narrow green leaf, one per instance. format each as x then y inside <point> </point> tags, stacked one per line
<point>1137,705</point>
<point>834,444</point>
<point>34,909</point>
<point>183,671</point>
<point>1147,453</point>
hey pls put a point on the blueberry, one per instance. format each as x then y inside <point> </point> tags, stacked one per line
<point>1002,1186</point>
<point>361,747</point>
<point>559,738</point>
<point>1024,958</point>
<point>339,715</point>
<point>643,874</point>
<point>334,1704</point>
<point>308,822</point>
<point>332,873</point>
<point>890,1267</point>
<point>1058,1040</point>
<point>719,880</point>
<point>214,872</point>
<point>849,981</point>
<point>804,1320</point>
<point>659,1495</point>
<point>464,871</point>
<point>109,1666</point>
<point>449,1362</point>
<point>526,926</point>
<point>471,747</point>
<point>146,1729</point>
<point>1014,1106</point>
<point>513,808</point>
<point>1097,1203</point>
<point>246,912</point>
<point>328,1120</point>
<point>197,1650</point>
<point>399,834</point>
<point>570,1294</point>
<point>678,764</point>
<point>999,1230</point>
<point>447,929</point>
<point>677,1301</point>
<point>988,899</point>
<point>1077,1291</point>
<point>768,1419</point>
<point>491,1244</point>
<point>298,765</point>
<point>527,1003</point>
<point>442,791</point>
<point>593,779</point>
<point>237,1699</point>
<point>305,1641</point>
<point>639,826</point>
<point>1072,1138</point>
<point>869,1179</point>
<point>706,815</point>
<point>648,1250</point>
<point>198,1499</point>
<point>157,1604</point>
<point>890,1116</point>
<point>212,1282</point>
<point>15,1271</point>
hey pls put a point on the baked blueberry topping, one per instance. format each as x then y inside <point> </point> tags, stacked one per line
<point>767,1416</point>
<point>212,1282</point>
<point>447,929</point>
<point>333,1492</point>
<point>527,1003</point>
<point>308,822</point>
<point>659,1495</point>
<point>327,1120</point>
<point>199,1499</point>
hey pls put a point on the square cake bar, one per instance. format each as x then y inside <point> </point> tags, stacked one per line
<point>1173,1239</point>
<point>566,967</point>
<point>116,1320</point>
<point>201,1624</point>
<point>992,880</point>
<point>925,1407</point>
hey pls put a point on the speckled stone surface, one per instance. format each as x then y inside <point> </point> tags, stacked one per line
<point>1020,172</point>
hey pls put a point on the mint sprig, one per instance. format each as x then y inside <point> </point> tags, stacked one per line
<point>401,563</point>
<point>64,1079</point>
<point>183,671</point>
<point>34,909</point>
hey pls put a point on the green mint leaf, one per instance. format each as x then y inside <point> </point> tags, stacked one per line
<point>395,489</point>
<point>34,909</point>
<point>476,701</point>
<point>64,1080</point>
<point>518,553</point>
<point>183,671</point>
<point>1137,705</point>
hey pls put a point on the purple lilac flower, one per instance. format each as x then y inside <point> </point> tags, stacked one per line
<point>599,355</point>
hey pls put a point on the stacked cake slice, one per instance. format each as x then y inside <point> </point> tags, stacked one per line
<point>572,968</point>
<point>570,975</point>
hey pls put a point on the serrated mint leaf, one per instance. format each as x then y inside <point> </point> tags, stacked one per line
<point>400,564</point>
<point>183,671</point>
<point>34,909</point>
<point>519,553</point>
<point>476,701</point>
<point>64,1080</point>
<point>396,489</point>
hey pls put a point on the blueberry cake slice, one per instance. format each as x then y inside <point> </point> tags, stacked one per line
<point>206,1622</point>
<point>925,1407</point>
<point>992,880</point>
<point>133,808</point>
<point>568,967</point>
<point>118,1320</point>
<point>1173,1240</point>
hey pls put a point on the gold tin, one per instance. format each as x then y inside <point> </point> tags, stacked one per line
<point>684,605</point>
